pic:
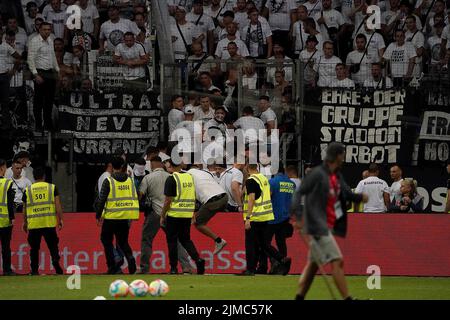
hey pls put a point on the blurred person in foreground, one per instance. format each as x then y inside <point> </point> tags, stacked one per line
<point>325,216</point>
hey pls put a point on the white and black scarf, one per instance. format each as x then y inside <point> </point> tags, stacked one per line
<point>260,38</point>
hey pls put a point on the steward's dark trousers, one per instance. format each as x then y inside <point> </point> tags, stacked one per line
<point>280,231</point>
<point>120,230</point>
<point>179,229</point>
<point>5,238</point>
<point>34,240</point>
<point>256,238</point>
<point>150,228</point>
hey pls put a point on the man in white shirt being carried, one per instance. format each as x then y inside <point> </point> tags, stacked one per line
<point>376,189</point>
<point>213,199</point>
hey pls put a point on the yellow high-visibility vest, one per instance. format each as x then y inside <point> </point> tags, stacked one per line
<point>183,205</point>
<point>5,184</point>
<point>40,206</point>
<point>122,202</point>
<point>262,209</point>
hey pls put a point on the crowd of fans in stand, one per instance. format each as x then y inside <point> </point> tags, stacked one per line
<point>333,39</point>
<point>258,43</point>
<point>39,47</point>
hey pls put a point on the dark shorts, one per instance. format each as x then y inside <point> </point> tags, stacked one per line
<point>210,208</point>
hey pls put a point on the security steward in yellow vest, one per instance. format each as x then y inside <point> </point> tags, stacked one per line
<point>42,214</point>
<point>177,215</point>
<point>118,204</point>
<point>7,194</point>
<point>257,213</point>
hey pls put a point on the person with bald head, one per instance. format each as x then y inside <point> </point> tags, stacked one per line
<point>396,176</point>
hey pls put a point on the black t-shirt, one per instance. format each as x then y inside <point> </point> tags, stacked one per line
<point>448,184</point>
<point>24,198</point>
<point>170,188</point>
<point>253,187</point>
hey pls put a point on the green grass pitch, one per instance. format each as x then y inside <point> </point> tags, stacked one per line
<point>226,287</point>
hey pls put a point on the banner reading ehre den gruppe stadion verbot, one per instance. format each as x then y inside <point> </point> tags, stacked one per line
<point>102,123</point>
<point>369,123</point>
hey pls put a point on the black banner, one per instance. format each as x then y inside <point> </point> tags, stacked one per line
<point>370,123</point>
<point>102,123</point>
<point>434,146</point>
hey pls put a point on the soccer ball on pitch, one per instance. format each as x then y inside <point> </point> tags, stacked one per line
<point>118,288</point>
<point>158,288</point>
<point>138,288</point>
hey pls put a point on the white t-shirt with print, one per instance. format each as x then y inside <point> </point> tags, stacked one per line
<point>113,32</point>
<point>375,188</point>
<point>222,52</point>
<point>280,13</point>
<point>58,21</point>
<point>399,57</point>
<point>326,68</point>
<point>135,52</point>
<point>88,16</point>
<point>434,46</point>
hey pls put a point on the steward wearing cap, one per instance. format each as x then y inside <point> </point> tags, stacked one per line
<point>177,214</point>
<point>257,214</point>
<point>7,195</point>
<point>42,214</point>
<point>118,204</point>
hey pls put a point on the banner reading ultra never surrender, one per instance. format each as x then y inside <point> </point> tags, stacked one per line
<point>369,123</point>
<point>102,123</point>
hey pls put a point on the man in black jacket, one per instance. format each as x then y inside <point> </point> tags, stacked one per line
<point>325,215</point>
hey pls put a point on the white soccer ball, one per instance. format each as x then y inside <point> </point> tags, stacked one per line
<point>118,288</point>
<point>138,288</point>
<point>100,298</point>
<point>158,288</point>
